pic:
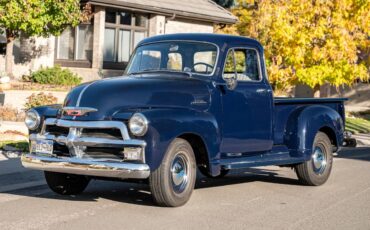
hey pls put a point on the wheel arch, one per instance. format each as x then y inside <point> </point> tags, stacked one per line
<point>199,148</point>
<point>332,136</point>
<point>303,125</point>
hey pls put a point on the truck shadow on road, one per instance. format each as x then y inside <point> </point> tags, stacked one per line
<point>139,193</point>
<point>359,153</point>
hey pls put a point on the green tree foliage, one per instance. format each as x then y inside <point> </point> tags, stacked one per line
<point>311,42</point>
<point>36,18</point>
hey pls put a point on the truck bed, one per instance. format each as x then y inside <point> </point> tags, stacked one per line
<point>287,100</point>
<point>285,106</point>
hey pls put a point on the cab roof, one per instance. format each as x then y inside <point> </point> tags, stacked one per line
<point>221,40</point>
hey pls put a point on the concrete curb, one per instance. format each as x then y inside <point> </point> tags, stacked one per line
<point>362,139</point>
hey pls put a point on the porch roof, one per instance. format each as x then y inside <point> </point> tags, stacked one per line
<point>202,10</point>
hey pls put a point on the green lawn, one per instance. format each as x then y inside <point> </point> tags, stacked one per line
<point>21,145</point>
<point>357,125</point>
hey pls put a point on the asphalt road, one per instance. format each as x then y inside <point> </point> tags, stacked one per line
<point>260,198</point>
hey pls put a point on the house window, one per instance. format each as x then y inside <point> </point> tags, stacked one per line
<point>2,42</point>
<point>123,31</point>
<point>75,46</point>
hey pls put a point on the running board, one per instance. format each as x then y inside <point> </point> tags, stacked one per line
<point>275,158</point>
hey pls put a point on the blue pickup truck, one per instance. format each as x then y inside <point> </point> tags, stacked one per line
<point>187,103</point>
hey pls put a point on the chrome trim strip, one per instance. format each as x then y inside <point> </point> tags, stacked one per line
<point>94,124</point>
<point>80,96</point>
<point>89,141</point>
<point>88,124</point>
<point>82,92</point>
<point>88,167</point>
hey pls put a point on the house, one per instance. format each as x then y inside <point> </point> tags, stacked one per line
<point>102,46</point>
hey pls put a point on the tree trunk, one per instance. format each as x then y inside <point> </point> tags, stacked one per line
<point>9,58</point>
<point>316,91</point>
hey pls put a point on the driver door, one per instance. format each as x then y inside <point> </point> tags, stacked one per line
<point>247,109</point>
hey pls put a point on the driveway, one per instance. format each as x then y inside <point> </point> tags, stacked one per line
<point>259,198</point>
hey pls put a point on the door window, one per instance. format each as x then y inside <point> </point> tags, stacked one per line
<point>243,63</point>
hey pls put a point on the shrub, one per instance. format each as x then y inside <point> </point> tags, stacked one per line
<point>40,99</point>
<point>54,76</point>
<point>8,113</point>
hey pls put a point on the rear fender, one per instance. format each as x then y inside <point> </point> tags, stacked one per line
<point>304,123</point>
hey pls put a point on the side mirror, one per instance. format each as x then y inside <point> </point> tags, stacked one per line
<point>231,82</point>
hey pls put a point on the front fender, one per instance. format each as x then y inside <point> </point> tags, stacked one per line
<point>46,112</point>
<point>167,124</point>
<point>304,123</point>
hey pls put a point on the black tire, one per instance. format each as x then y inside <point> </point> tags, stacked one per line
<point>66,184</point>
<point>350,142</point>
<point>317,170</point>
<point>206,173</point>
<point>168,186</point>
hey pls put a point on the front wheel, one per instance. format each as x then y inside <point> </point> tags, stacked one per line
<point>66,184</point>
<point>317,170</point>
<point>172,183</point>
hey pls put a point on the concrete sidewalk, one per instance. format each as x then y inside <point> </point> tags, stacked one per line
<point>13,126</point>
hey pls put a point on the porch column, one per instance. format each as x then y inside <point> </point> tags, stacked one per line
<point>98,44</point>
<point>156,25</point>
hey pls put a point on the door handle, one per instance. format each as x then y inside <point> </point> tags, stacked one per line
<point>261,91</point>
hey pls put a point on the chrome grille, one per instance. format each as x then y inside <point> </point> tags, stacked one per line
<point>88,139</point>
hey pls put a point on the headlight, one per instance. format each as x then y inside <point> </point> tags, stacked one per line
<point>32,119</point>
<point>138,124</point>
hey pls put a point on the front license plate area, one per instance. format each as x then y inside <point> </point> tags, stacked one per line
<point>42,147</point>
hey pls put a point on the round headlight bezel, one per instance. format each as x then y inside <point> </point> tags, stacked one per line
<point>138,124</point>
<point>36,118</point>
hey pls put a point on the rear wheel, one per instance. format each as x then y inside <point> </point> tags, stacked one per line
<point>172,183</point>
<point>66,184</point>
<point>317,170</point>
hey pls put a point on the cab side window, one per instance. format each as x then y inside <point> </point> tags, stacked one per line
<point>243,63</point>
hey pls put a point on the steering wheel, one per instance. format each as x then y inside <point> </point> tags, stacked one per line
<point>205,64</point>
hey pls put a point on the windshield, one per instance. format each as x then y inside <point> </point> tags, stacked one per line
<point>179,56</point>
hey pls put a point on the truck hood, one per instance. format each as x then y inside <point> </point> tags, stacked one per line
<point>122,94</point>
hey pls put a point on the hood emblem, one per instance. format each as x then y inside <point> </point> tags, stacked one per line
<point>77,111</point>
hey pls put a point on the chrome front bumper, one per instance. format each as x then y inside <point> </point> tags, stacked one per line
<point>78,163</point>
<point>88,167</point>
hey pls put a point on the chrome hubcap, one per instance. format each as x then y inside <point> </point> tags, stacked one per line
<point>319,160</point>
<point>179,173</point>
